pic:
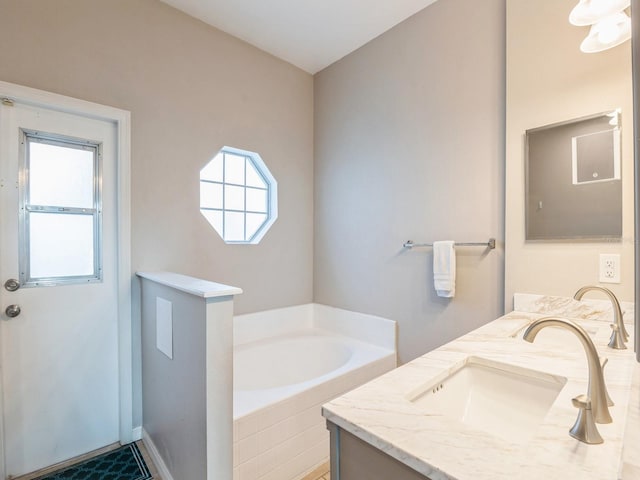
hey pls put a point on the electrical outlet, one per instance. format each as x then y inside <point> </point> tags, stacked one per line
<point>609,268</point>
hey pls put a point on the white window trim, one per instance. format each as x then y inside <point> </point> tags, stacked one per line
<point>272,194</point>
<point>25,274</point>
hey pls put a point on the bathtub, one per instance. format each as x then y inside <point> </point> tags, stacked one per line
<point>287,363</point>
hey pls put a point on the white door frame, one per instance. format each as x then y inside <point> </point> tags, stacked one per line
<point>122,120</point>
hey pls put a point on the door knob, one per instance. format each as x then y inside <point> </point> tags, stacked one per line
<point>12,311</point>
<point>12,284</point>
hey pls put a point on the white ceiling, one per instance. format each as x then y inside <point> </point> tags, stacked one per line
<point>311,34</point>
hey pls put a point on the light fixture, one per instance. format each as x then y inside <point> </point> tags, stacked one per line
<point>607,33</point>
<point>589,12</point>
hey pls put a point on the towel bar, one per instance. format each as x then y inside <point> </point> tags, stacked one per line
<point>491,244</point>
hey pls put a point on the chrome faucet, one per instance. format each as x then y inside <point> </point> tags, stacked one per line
<point>593,407</point>
<point>619,334</point>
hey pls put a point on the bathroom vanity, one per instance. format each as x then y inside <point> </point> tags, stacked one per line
<point>425,420</point>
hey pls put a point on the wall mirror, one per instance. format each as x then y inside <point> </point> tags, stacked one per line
<point>554,89</point>
<point>573,179</point>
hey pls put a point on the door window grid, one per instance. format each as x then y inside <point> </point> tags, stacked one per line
<point>75,223</point>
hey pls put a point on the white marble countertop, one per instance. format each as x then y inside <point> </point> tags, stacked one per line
<point>381,414</point>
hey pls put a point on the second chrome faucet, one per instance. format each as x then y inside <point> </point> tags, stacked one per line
<point>619,335</point>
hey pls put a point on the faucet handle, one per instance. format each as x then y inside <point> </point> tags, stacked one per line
<point>625,334</point>
<point>585,429</point>
<point>603,362</point>
<point>617,338</point>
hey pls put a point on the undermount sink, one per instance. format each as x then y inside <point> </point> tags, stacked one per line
<point>503,400</point>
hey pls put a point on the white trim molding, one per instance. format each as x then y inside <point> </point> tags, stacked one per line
<point>155,456</point>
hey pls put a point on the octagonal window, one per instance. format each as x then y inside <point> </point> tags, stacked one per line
<point>238,195</point>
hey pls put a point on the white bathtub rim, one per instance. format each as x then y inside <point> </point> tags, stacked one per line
<point>250,327</point>
<point>266,324</point>
<point>308,354</point>
<point>301,388</point>
<point>366,327</point>
<point>245,401</point>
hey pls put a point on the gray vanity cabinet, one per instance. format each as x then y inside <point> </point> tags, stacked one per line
<point>355,459</point>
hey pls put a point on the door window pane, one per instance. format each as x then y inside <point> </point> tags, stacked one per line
<point>60,217</point>
<point>60,175</point>
<point>60,245</point>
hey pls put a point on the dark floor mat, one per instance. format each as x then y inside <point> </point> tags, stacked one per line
<point>125,463</point>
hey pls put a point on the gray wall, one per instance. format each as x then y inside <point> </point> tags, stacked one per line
<point>409,145</point>
<point>409,142</point>
<point>191,89</point>
<point>556,207</point>
<point>175,407</point>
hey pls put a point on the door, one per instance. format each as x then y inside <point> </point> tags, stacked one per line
<point>59,329</point>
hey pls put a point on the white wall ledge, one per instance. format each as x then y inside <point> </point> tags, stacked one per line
<point>191,285</point>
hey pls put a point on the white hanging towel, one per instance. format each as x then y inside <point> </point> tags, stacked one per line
<point>444,268</point>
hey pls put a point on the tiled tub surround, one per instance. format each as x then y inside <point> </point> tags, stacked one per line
<point>288,362</point>
<point>381,414</point>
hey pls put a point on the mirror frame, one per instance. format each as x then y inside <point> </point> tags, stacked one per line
<point>562,187</point>
<point>635,68</point>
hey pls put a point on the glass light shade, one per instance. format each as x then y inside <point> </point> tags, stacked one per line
<point>607,33</point>
<point>588,12</point>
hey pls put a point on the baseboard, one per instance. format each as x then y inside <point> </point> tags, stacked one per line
<point>136,434</point>
<point>155,456</point>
